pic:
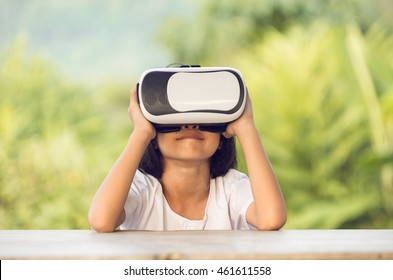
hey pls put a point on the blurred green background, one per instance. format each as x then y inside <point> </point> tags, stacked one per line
<point>319,72</point>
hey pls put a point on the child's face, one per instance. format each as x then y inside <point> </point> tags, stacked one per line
<point>188,144</point>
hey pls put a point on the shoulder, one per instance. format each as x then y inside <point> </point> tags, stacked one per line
<point>141,177</point>
<point>232,182</point>
<point>234,176</point>
<point>144,184</point>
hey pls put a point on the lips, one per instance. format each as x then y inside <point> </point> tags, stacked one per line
<point>191,135</point>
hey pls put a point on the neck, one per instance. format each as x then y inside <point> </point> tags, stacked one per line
<point>184,178</point>
<point>186,187</point>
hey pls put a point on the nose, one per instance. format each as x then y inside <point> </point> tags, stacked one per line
<point>190,126</point>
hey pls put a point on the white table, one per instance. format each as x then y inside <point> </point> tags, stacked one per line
<point>284,244</point>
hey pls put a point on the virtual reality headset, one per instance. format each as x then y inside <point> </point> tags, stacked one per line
<point>210,97</point>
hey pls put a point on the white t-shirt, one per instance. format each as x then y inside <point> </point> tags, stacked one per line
<point>147,209</point>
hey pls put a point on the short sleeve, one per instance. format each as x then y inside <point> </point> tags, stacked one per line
<point>134,205</point>
<point>240,198</point>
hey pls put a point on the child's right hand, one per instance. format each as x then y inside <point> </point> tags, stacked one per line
<point>141,124</point>
<point>106,211</point>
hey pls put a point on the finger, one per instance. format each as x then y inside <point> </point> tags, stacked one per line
<point>227,135</point>
<point>133,94</point>
<point>133,100</point>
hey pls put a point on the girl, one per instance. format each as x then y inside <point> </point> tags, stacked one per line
<point>184,180</point>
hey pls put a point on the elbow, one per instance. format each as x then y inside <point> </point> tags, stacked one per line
<point>102,229</point>
<point>99,225</point>
<point>275,223</point>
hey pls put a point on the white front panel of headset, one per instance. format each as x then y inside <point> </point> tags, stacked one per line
<point>203,91</point>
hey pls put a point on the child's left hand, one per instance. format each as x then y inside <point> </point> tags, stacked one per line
<point>240,125</point>
<point>267,211</point>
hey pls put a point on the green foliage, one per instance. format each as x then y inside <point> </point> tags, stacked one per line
<point>225,27</point>
<point>53,151</point>
<point>319,74</point>
<point>314,121</point>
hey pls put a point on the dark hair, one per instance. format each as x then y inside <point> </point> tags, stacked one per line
<point>220,163</point>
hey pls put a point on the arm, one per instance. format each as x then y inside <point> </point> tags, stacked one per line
<point>268,211</point>
<point>106,211</point>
